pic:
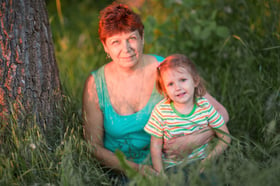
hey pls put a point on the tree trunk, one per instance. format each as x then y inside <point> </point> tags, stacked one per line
<point>29,77</point>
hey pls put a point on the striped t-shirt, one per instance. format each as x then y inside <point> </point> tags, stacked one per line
<point>166,122</point>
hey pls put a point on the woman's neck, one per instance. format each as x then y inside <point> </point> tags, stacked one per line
<point>130,72</point>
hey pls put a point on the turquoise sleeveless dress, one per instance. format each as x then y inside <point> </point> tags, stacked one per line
<point>125,132</point>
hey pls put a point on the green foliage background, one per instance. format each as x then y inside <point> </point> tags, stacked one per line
<point>236,46</point>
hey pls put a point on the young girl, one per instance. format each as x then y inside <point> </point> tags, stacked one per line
<point>183,111</point>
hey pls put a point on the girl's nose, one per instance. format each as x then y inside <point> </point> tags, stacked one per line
<point>177,86</point>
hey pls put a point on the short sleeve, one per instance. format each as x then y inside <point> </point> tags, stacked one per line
<point>154,126</point>
<point>214,118</point>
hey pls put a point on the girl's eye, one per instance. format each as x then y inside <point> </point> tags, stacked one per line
<point>169,84</point>
<point>183,80</point>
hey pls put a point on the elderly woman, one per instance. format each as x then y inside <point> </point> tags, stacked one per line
<point>118,97</point>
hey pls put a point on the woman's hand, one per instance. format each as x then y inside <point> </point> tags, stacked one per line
<point>179,147</point>
<point>147,170</point>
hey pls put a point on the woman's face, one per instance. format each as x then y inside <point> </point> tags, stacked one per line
<point>125,48</point>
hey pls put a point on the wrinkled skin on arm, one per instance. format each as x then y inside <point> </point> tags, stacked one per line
<point>181,146</point>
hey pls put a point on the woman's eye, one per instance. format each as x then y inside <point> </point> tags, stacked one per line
<point>133,38</point>
<point>115,42</point>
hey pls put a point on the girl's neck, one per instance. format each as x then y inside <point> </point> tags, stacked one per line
<point>184,108</point>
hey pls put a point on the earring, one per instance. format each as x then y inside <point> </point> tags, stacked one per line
<point>108,56</point>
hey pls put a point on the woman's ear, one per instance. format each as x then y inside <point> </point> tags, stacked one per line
<point>143,40</point>
<point>106,51</point>
<point>105,47</point>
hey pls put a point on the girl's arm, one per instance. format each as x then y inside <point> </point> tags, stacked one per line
<point>156,153</point>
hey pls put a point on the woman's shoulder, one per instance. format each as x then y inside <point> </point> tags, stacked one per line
<point>98,70</point>
<point>90,83</point>
<point>158,58</point>
<point>95,76</point>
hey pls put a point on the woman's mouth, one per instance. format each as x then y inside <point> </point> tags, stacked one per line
<point>128,57</point>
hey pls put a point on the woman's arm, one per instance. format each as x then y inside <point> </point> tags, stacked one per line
<point>218,106</point>
<point>156,153</point>
<point>180,147</point>
<point>94,129</point>
<point>224,141</point>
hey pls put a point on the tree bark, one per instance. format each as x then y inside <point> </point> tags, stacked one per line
<point>29,77</point>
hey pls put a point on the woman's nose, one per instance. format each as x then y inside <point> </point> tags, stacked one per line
<point>126,46</point>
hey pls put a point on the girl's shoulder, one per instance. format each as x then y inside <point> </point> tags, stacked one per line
<point>163,104</point>
<point>202,102</point>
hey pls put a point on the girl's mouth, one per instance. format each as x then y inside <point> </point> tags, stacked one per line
<point>181,94</point>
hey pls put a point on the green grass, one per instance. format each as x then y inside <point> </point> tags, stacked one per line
<point>236,46</point>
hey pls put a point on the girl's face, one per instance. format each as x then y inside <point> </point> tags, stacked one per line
<point>179,85</point>
<point>125,48</point>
